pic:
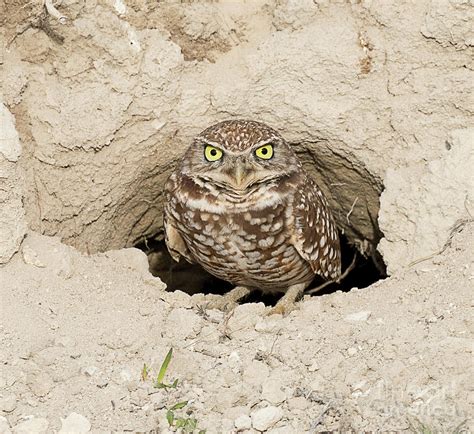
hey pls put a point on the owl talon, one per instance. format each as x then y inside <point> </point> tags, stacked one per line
<point>287,303</point>
<point>222,304</point>
<point>229,301</point>
<point>282,309</point>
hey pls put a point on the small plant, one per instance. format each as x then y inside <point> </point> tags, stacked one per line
<point>161,375</point>
<point>182,423</point>
<point>145,372</point>
<point>186,424</point>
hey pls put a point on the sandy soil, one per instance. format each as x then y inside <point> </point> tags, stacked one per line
<point>76,331</point>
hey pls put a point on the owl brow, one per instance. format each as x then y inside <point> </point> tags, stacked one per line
<point>206,142</point>
<point>271,140</point>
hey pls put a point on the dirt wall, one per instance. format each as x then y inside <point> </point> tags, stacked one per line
<point>106,103</point>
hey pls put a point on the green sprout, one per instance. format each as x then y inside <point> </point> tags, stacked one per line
<point>161,375</point>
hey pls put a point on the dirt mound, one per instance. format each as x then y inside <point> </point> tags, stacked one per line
<point>77,331</point>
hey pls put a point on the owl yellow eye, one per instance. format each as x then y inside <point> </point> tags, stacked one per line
<point>265,152</point>
<point>212,154</point>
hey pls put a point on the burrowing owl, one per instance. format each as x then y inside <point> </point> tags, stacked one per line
<point>241,205</point>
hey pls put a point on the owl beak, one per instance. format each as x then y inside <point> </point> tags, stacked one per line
<point>240,175</point>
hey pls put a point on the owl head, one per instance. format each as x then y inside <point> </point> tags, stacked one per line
<point>238,155</point>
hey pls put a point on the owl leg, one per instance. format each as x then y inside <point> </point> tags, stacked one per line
<point>229,300</point>
<point>287,303</point>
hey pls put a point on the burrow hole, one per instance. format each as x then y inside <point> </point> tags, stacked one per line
<point>193,279</point>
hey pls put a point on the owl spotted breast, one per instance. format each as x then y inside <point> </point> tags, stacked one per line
<point>241,205</point>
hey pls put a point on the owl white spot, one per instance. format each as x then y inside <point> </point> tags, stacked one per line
<point>254,255</point>
<point>247,217</point>
<point>332,253</point>
<point>271,263</point>
<point>196,225</point>
<point>326,251</point>
<point>256,221</point>
<point>200,238</point>
<point>277,225</point>
<point>266,242</point>
<point>205,216</point>
<point>322,241</point>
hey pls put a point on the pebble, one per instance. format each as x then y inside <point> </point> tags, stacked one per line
<point>41,384</point>
<point>265,418</point>
<point>125,375</point>
<point>75,423</point>
<point>352,351</point>
<point>243,422</point>
<point>182,324</point>
<point>36,425</point>
<point>363,315</point>
<point>271,392</point>
<point>31,257</point>
<point>89,371</point>
<point>268,325</point>
<point>8,403</point>
<point>318,383</point>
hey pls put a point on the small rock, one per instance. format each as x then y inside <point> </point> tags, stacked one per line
<point>318,383</point>
<point>31,257</point>
<point>265,418</point>
<point>243,422</point>
<point>146,310</point>
<point>64,341</point>
<point>352,351</point>
<point>8,403</point>
<point>271,392</point>
<point>313,367</point>
<point>268,325</point>
<point>36,425</point>
<point>183,324</point>
<point>234,358</point>
<point>358,316</point>
<point>74,423</point>
<point>90,371</point>
<point>125,375</point>
<point>41,384</point>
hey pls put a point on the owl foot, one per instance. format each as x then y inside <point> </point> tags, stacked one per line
<point>229,301</point>
<point>287,303</point>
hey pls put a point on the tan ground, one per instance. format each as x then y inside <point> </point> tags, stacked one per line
<point>76,331</point>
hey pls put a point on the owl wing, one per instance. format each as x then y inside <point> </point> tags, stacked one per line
<point>174,241</point>
<point>315,234</point>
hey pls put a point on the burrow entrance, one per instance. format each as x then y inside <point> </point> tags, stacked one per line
<point>193,279</point>
<point>353,196</point>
